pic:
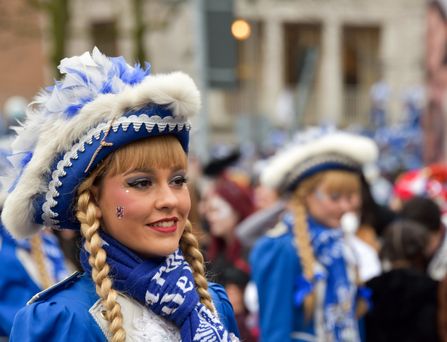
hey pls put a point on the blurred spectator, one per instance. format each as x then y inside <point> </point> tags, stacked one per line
<point>429,181</point>
<point>235,282</point>
<point>426,212</point>
<point>257,224</point>
<point>268,209</point>
<point>414,101</point>
<point>226,204</point>
<point>374,217</point>
<point>404,299</point>
<point>222,160</point>
<point>380,94</point>
<point>27,266</point>
<point>358,252</point>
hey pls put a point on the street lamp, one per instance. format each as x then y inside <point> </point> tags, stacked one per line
<point>240,29</point>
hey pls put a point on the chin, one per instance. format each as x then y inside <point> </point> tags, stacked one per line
<point>161,251</point>
<point>165,251</point>
<point>333,225</point>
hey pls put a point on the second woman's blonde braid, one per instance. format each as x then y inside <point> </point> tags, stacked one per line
<point>39,258</point>
<point>86,214</point>
<point>190,248</point>
<point>304,248</point>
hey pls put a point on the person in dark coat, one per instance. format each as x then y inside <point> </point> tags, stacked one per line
<point>404,302</point>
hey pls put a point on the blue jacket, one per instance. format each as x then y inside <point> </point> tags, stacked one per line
<point>274,265</point>
<point>61,313</point>
<point>16,284</point>
<point>278,275</point>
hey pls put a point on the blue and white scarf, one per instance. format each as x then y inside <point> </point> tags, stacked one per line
<point>165,286</point>
<point>338,309</point>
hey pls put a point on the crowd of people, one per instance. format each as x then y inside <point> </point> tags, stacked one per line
<point>295,246</point>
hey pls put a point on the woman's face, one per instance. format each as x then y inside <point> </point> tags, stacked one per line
<point>221,217</point>
<point>145,210</point>
<point>328,207</point>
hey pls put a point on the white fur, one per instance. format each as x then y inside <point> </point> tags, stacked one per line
<point>358,148</point>
<point>59,134</point>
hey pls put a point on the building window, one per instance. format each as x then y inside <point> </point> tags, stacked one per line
<point>361,69</point>
<point>302,50</point>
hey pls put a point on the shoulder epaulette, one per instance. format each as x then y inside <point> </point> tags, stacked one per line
<point>67,282</point>
<point>278,230</point>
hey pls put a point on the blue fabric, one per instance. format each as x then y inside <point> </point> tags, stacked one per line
<point>61,314</point>
<point>55,256</point>
<point>165,286</point>
<point>278,275</point>
<point>223,307</point>
<point>274,266</point>
<point>16,285</point>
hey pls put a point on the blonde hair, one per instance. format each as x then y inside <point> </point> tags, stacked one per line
<point>38,256</point>
<point>154,152</point>
<point>338,181</point>
<point>342,182</point>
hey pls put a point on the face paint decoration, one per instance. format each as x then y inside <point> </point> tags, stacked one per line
<point>119,212</point>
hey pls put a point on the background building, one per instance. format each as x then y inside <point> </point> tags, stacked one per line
<point>22,61</point>
<point>304,62</point>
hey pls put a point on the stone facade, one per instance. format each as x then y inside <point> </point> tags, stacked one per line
<point>172,43</point>
<point>22,53</point>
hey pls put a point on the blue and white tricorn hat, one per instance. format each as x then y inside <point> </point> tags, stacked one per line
<point>101,104</point>
<point>333,150</point>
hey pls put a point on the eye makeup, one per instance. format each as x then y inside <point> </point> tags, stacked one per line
<point>139,182</point>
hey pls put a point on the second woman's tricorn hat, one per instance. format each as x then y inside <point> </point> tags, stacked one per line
<point>334,150</point>
<point>100,105</point>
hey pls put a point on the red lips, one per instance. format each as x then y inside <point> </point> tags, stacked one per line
<point>166,225</point>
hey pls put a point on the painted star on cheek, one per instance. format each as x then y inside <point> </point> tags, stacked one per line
<point>119,212</point>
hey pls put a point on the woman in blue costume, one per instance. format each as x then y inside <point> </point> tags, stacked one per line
<point>27,266</point>
<point>306,288</point>
<point>115,142</point>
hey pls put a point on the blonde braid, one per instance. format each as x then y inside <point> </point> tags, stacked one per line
<point>304,249</point>
<point>38,256</point>
<point>190,248</point>
<point>86,214</point>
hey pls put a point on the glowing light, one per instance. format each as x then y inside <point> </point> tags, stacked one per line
<point>240,29</point>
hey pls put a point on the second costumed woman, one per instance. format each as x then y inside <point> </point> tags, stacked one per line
<point>307,290</point>
<point>107,154</point>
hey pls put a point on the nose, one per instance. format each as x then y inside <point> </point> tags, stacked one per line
<point>166,198</point>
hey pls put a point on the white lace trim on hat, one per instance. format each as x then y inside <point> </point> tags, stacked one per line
<point>49,217</point>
